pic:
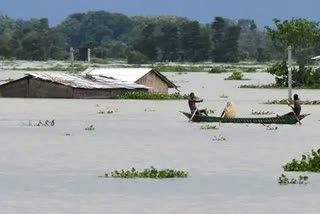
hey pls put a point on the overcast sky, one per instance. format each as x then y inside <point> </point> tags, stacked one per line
<point>202,10</point>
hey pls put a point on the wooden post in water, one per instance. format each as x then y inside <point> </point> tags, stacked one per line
<point>89,56</point>
<point>72,59</point>
<point>289,73</point>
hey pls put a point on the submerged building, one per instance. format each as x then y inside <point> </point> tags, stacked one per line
<point>62,85</point>
<point>152,78</point>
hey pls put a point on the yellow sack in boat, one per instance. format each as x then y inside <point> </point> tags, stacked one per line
<point>229,111</point>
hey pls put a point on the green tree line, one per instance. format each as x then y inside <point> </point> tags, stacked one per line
<point>140,39</point>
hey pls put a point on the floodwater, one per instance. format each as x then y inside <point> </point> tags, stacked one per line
<point>56,169</point>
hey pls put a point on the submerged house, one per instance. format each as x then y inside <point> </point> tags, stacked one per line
<point>152,78</point>
<point>62,85</point>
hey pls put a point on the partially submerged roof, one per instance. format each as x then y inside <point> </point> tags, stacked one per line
<point>129,74</point>
<point>84,81</point>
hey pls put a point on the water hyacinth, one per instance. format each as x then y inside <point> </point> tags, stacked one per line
<point>152,96</point>
<point>310,163</point>
<point>283,180</point>
<point>255,112</point>
<point>148,173</point>
<point>208,126</point>
<point>90,128</point>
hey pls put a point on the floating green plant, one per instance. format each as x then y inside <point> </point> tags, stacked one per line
<point>90,128</point>
<point>255,112</point>
<point>46,123</point>
<point>308,162</point>
<point>284,180</point>
<point>285,102</point>
<point>105,112</point>
<point>152,96</point>
<point>271,128</point>
<point>219,138</point>
<point>223,96</point>
<point>209,126</point>
<point>148,173</point>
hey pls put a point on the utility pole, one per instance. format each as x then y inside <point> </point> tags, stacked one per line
<point>72,58</point>
<point>290,73</point>
<point>89,56</point>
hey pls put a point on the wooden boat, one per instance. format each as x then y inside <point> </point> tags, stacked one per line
<point>261,120</point>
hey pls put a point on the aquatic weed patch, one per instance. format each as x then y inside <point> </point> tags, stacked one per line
<point>148,173</point>
<point>90,128</point>
<point>152,96</point>
<point>46,123</point>
<point>236,75</point>
<point>219,138</point>
<point>284,180</point>
<point>260,112</point>
<point>271,128</point>
<point>209,126</point>
<point>310,163</point>
<point>285,102</point>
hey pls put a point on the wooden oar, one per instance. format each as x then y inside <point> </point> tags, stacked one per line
<point>194,113</point>
<point>295,113</point>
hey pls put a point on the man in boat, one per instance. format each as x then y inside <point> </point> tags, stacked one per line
<point>296,109</point>
<point>192,105</point>
<point>229,111</point>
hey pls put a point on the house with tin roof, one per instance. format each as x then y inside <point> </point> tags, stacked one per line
<point>157,82</point>
<point>63,85</point>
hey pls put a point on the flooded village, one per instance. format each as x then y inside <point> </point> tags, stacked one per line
<point>151,112</point>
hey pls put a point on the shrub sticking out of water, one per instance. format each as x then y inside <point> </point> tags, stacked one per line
<point>309,163</point>
<point>217,70</point>
<point>236,75</point>
<point>208,126</point>
<point>255,112</point>
<point>90,128</point>
<point>283,180</point>
<point>152,96</point>
<point>148,173</point>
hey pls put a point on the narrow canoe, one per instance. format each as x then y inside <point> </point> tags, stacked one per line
<point>261,120</point>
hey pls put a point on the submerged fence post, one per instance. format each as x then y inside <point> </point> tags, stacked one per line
<point>89,56</point>
<point>72,59</point>
<point>289,73</point>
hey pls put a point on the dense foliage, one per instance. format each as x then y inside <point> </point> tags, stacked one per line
<point>138,39</point>
<point>310,162</point>
<point>304,38</point>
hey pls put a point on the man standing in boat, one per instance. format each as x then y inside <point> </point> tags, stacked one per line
<point>192,105</point>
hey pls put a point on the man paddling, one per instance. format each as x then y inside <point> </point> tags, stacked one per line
<point>296,106</point>
<point>192,105</point>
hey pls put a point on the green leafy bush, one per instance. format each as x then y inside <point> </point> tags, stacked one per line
<point>236,75</point>
<point>309,163</point>
<point>217,70</point>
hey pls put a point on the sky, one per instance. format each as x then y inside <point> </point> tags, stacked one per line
<point>202,10</point>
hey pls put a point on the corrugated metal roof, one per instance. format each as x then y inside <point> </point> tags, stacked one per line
<point>85,81</point>
<point>126,74</point>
